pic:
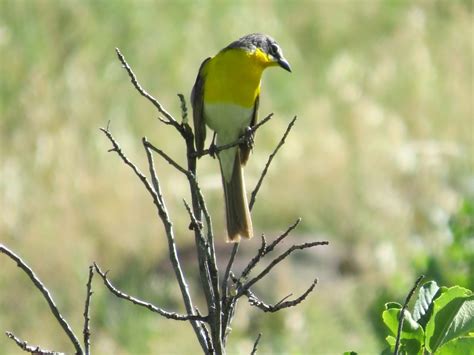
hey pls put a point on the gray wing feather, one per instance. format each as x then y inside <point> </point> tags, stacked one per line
<point>244,149</point>
<point>197,102</point>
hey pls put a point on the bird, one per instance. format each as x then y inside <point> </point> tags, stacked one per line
<point>225,97</point>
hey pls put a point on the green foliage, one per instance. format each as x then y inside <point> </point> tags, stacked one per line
<point>441,322</point>
<point>455,265</point>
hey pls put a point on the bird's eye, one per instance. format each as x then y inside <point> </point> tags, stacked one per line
<point>274,49</point>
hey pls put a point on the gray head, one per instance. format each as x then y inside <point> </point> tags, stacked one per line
<point>266,43</point>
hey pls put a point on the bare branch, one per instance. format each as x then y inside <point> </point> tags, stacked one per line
<point>262,122</point>
<point>241,140</point>
<point>184,109</point>
<point>255,301</point>
<point>276,261</point>
<point>165,156</point>
<point>116,148</point>
<point>264,249</point>
<point>163,214</point>
<point>86,331</point>
<point>255,345</point>
<point>36,350</point>
<point>47,296</point>
<point>402,313</point>
<point>194,222</point>
<point>253,196</point>
<point>225,281</point>
<point>151,307</point>
<point>170,119</point>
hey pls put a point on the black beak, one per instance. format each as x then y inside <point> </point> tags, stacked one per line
<point>284,64</point>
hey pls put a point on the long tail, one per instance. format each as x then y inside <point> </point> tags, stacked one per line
<point>239,222</point>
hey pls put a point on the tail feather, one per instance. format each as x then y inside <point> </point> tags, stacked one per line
<point>239,222</point>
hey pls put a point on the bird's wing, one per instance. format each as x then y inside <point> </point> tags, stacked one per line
<point>245,148</point>
<point>197,102</point>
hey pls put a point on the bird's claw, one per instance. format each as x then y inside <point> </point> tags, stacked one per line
<point>249,138</point>
<point>213,150</point>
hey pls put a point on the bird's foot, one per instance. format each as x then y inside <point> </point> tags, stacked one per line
<point>249,138</point>
<point>213,150</point>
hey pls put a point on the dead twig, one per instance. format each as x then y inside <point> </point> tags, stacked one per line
<point>138,302</point>
<point>255,301</point>
<point>35,350</point>
<point>253,195</point>
<point>47,296</point>
<point>241,140</point>
<point>255,345</point>
<point>402,313</point>
<point>169,119</point>
<point>86,331</point>
<point>276,261</point>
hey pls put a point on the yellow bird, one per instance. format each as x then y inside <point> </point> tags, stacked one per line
<point>225,97</point>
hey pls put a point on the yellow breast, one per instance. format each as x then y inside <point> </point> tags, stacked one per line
<point>233,76</point>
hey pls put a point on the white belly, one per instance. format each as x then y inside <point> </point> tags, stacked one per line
<point>229,121</point>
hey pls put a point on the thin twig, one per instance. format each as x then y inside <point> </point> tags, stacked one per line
<point>138,302</point>
<point>116,148</point>
<point>165,156</point>
<point>136,84</point>
<point>264,249</point>
<point>253,196</point>
<point>184,109</point>
<point>228,268</point>
<point>86,331</point>
<point>262,122</point>
<point>276,261</point>
<point>241,140</point>
<point>47,296</point>
<point>163,214</point>
<point>255,301</point>
<point>255,345</point>
<point>402,313</point>
<point>36,350</point>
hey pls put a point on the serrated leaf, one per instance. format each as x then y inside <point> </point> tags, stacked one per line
<point>424,303</point>
<point>453,315</point>
<point>461,345</point>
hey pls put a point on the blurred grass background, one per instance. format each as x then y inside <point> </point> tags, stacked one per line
<point>380,158</point>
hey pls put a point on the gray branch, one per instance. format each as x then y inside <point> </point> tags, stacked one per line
<point>276,261</point>
<point>169,118</point>
<point>47,296</point>
<point>86,330</point>
<point>255,301</point>
<point>149,306</point>
<point>36,350</point>
<point>253,196</point>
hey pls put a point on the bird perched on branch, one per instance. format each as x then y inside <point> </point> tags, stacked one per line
<point>225,97</point>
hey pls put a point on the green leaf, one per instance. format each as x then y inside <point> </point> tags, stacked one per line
<point>411,329</point>
<point>424,303</point>
<point>453,315</point>
<point>411,339</point>
<point>396,305</point>
<point>461,345</point>
<point>350,353</point>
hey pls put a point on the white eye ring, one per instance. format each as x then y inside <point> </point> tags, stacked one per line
<point>274,49</point>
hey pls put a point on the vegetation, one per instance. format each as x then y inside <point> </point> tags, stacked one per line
<point>441,322</point>
<point>380,162</point>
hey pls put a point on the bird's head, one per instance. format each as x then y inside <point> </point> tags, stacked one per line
<point>264,47</point>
